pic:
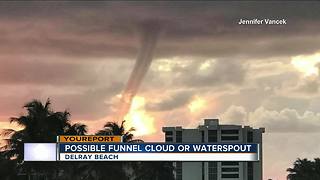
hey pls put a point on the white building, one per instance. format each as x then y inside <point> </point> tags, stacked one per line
<point>213,132</point>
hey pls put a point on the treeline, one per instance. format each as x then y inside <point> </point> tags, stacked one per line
<point>41,124</point>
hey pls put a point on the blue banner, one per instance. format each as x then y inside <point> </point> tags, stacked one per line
<point>156,148</point>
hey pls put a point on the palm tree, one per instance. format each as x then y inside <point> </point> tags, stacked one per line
<point>76,129</point>
<point>113,128</point>
<point>112,170</point>
<point>140,170</point>
<point>303,169</point>
<point>42,125</point>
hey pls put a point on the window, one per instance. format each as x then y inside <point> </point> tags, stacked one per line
<point>230,131</point>
<point>250,136</point>
<point>230,163</point>
<point>250,170</point>
<point>213,170</point>
<point>169,139</point>
<point>212,136</point>
<point>229,138</point>
<point>178,136</point>
<point>230,169</point>
<point>230,135</point>
<point>178,170</point>
<point>168,135</point>
<point>202,169</point>
<point>230,176</point>
<point>202,136</point>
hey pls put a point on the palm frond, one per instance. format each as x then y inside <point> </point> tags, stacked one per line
<point>47,105</point>
<point>7,132</point>
<point>21,121</point>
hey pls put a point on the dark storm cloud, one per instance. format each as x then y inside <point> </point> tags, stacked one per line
<point>90,29</point>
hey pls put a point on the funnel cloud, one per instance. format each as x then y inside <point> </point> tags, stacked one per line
<point>150,32</point>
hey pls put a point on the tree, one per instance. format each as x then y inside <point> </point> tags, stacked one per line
<point>141,170</point>
<point>303,169</point>
<point>113,128</point>
<point>42,125</point>
<point>112,170</point>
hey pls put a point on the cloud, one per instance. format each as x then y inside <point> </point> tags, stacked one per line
<point>39,72</point>
<point>307,86</point>
<point>221,73</point>
<point>286,120</point>
<point>278,103</point>
<point>84,103</point>
<point>111,29</point>
<point>91,104</point>
<point>234,114</point>
<point>176,100</point>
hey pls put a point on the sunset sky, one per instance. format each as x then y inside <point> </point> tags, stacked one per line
<point>81,54</point>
